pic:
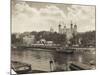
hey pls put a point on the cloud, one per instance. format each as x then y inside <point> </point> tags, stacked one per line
<point>28,18</point>
<point>84,16</point>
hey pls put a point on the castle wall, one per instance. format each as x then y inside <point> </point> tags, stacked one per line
<point>69,34</point>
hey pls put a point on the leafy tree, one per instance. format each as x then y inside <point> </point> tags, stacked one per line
<point>16,41</point>
<point>13,38</point>
<point>86,38</point>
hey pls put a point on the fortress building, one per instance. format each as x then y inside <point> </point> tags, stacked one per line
<point>69,32</point>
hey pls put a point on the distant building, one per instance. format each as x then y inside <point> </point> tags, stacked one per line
<point>50,43</point>
<point>28,40</point>
<point>69,32</point>
<point>42,41</point>
<point>51,30</point>
<point>17,35</point>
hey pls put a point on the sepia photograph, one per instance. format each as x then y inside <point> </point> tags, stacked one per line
<point>52,37</point>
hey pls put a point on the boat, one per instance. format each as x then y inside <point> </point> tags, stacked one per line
<point>79,66</point>
<point>65,50</point>
<point>20,68</point>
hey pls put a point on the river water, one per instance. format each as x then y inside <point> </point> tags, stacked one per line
<point>40,59</point>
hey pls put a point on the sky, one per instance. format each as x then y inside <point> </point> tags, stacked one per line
<point>37,16</point>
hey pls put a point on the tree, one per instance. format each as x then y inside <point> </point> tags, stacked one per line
<point>86,38</point>
<point>16,41</point>
<point>13,38</point>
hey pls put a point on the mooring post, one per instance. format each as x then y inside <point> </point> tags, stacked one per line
<point>51,62</point>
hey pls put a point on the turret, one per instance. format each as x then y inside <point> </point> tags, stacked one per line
<point>75,29</point>
<point>59,28</point>
<point>64,30</point>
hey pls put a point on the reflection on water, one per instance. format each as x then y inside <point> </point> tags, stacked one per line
<point>41,60</point>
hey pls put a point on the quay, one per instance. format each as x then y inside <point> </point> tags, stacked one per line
<point>59,49</point>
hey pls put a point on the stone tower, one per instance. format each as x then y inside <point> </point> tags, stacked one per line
<point>75,29</point>
<point>59,28</point>
<point>71,27</point>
